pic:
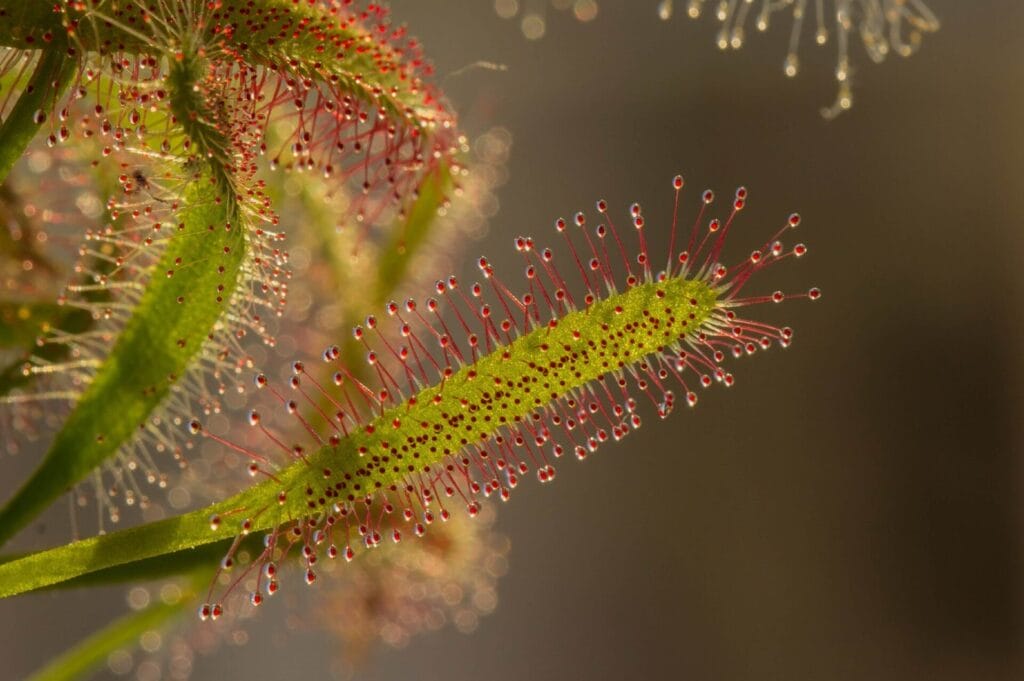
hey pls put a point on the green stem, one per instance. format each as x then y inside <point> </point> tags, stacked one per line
<point>179,534</point>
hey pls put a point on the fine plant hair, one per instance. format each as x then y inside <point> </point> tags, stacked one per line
<point>200,163</point>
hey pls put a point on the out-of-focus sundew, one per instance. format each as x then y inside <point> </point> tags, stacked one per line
<point>884,26</point>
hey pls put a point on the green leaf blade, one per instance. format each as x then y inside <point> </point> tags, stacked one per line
<point>52,75</point>
<point>156,347</point>
<point>261,508</point>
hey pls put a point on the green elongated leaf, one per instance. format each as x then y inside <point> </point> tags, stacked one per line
<point>202,43</point>
<point>494,401</point>
<point>363,72</point>
<point>90,653</point>
<point>304,487</point>
<point>174,564</point>
<point>52,75</point>
<point>155,348</point>
<point>188,291</point>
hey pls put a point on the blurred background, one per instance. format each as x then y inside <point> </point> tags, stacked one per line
<point>851,509</point>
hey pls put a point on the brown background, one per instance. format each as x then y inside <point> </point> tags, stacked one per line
<point>852,508</point>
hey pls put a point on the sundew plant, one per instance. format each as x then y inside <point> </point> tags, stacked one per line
<point>158,162</point>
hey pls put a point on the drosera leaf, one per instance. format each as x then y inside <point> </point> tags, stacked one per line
<point>53,73</point>
<point>345,91</point>
<point>456,416</point>
<point>186,249</point>
<point>155,348</point>
<point>353,99</point>
<point>346,87</point>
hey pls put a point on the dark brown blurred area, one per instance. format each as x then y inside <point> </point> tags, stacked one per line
<point>851,509</point>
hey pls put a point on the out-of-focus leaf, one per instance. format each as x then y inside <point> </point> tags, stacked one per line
<point>124,632</point>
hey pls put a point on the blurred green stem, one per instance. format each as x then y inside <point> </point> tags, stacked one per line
<point>124,632</point>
